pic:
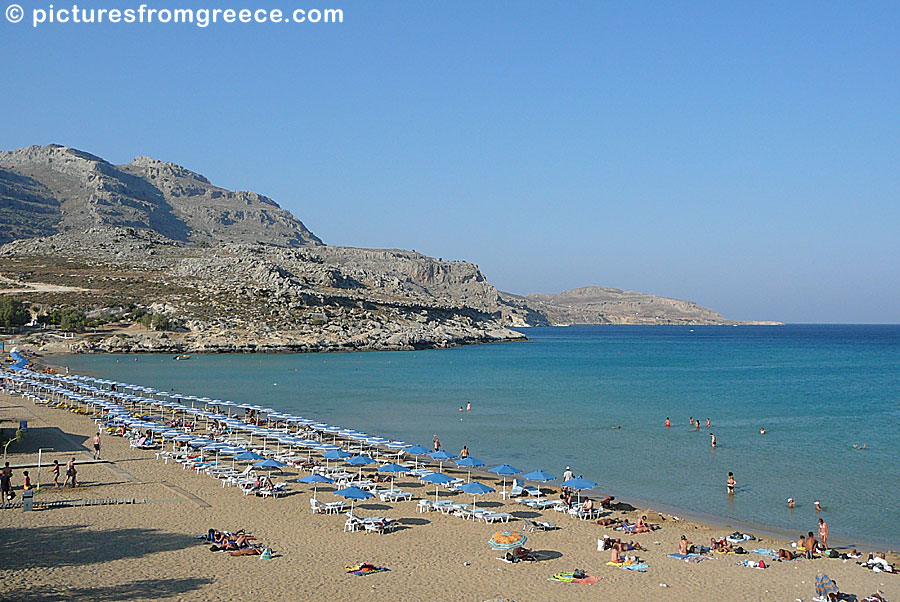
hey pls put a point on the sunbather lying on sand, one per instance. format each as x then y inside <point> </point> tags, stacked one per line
<point>612,523</point>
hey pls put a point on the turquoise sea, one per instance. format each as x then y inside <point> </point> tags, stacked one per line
<point>554,400</point>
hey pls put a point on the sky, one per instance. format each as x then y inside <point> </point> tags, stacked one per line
<point>740,155</point>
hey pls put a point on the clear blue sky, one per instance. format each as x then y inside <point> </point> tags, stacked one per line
<point>742,155</point>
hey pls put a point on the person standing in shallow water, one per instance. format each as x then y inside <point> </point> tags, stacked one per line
<point>668,422</point>
<point>730,485</point>
<point>712,439</point>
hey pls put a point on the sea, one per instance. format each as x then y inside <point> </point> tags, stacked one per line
<point>596,398</point>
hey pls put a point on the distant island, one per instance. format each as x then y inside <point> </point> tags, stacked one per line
<point>150,256</point>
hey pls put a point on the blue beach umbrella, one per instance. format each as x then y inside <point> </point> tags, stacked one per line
<point>578,484</point>
<point>475,488</point>
<point>504,470</point>
<point>469,462</point>
<point>335,454</point>
<point>270,464</point>
<point>539,476</point>
<point>392,468</point>
<point>352,494</point>
<point>416,451</point>
<point>360,461</point>
<point>314,480</point>
<point>249,455</point>
<point>438,478</point>
<point>440,456</point>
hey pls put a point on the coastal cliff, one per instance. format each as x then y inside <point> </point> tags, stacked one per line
<point>232,271</point>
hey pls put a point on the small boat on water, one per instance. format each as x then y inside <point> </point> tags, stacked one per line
<point>182,357</point>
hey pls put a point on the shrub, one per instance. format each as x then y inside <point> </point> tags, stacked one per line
<point>13,313</point>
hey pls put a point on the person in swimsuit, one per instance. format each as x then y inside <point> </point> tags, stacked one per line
<point>27,485</point>
<point>55,473</point>
<point>730,485</point>
<point>70,473</point>
<point>712,439</point>
<point>811,544</point>
<point>464,452</point>
<point>823,532</point>
<point>708,423</point>
<point>437,443</point>
<point>668,422</point>
<point>818,506</point>
<point>791,502</point>
<point>685,545</point>
<point>468,406</point>
<point>97,446</point>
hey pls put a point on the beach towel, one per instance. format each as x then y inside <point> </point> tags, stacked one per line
<point>765,552</point>
<point>692,558</point>
<point>753,564</point>
<point>568,577</point>
<point>365,568</point>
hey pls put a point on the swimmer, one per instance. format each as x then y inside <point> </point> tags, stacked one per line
<point>708,423</point>
<point>692,421</point>
<point>697,426</point>
<point>791,502</point>
<point>468,406</point>
<point>460,408</point>
<point>818,506</point>
<point>730,485</point>
<point>616,427</point>
<point>762,431</point>
<point>669,423</point>
<point>712,439</point>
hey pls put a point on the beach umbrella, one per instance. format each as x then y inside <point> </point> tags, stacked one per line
<point>335,454</point>
<point>353,494</point>
<point>507,540</point>
<point>416,450</point>
<point>469,462</point>
<point>475,488</point>
<point>270,464</point>
<point>504,470</point>
<point>438,478</point>
<point>539,476</point>
<point>360,461</point>
<point>440,456</point>
<point>314,480</point>
<point>578,484</point>
<point>392,468</point>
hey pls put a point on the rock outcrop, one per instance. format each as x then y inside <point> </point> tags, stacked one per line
<point>232,271</point>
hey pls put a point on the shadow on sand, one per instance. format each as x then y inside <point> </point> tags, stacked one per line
<point>146,589</point>
<point>49,436</point>
<point>79,546</point>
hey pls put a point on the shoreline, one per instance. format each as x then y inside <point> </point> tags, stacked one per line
<point>430,556</point>
<point>708,520</point>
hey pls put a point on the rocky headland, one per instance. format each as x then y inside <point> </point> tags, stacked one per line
<point>219,270</point>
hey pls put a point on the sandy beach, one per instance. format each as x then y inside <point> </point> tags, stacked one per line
<point>149,550</point>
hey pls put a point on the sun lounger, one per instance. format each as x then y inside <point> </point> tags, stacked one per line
<point>540,525</point>
<point>333,507</point>
<point>278,489</point>
<point>425,506</point>
<point>493,517</point>
<point>395,496</point>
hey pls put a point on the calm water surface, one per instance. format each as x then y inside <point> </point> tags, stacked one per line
<point>553,401</point>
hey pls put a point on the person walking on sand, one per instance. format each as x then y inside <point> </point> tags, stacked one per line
<point>97,446</point>
<point>6,494</point>
<point>712,439</point>
<point>730,485</point>
<point>55,473</point>
<point>823,532</point>
<point>70,473</point>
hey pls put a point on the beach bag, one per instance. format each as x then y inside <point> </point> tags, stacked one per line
<point>578,574</point>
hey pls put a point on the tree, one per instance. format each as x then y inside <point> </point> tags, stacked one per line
<point>160,322</point>
<point>13,313</point>
<point>72,320</point>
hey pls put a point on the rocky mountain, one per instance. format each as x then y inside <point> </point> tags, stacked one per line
<point>232,271</point>
<point>70,191</point>
<point>600,305</point>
